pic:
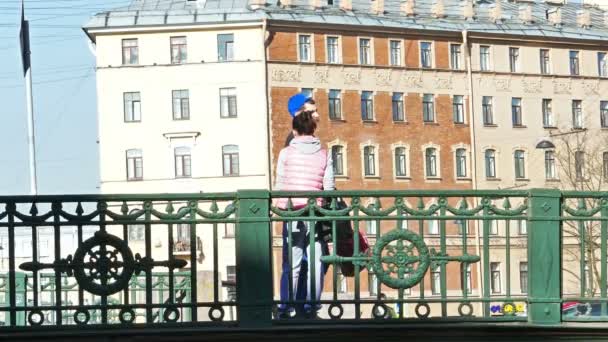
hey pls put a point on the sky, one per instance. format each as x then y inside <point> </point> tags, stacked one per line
<point>64,97</point>
<point>65,111</point>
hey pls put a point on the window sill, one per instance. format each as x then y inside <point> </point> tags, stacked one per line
<point>490,125</point>
<point>404,122</point>
<point>132,121</point>
<point>403,178</point>
<point>369,121</point>
<point>134,179</point>
<point>336,120</point>
<point>465,179</point>
<point>371,177</point>
<point>228,117</point>
<point>432,179</point>
<point>493,179</point>
<point>520,126</point>
<point>341,178</point>
<point>228,237</point>
<point>522,179</point>
<point>462,124</point>
<point>550,127</point>
<point>183,177</point>
<point>552,180</point>
<point>430,123</point>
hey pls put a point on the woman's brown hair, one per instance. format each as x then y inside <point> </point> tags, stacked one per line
<point>304,123</point>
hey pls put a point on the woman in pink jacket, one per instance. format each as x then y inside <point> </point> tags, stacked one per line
<point>303,166</point>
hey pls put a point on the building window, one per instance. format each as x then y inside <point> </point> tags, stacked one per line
<point>490,158</point>
<point>461,226</point>
<point>430,157</point>
<point>602,64</point>
<point>466,279</point>
<point>433,226</point>
<point>484,58</point>
<point>455,53</point>
<point>604,113</point>
<point>182,162</point>
<point>550,171</point>
<point>305,48</point>
<point>132,106</point>
<point>337,155</point>
<point>365,51</point>
<point>523,277</point>
<point>548,113</point>
<point>179,50</point>
<point>333,50</point>
<point>398,107</point>
<point>228,230</point>
<point>520,167</point>
<point>373,284</point>
<point>436,280</point>
<point>369,159</point>
<point>228,107</point>
<point>335,104</point>
<point>461,163</point>
<point>488,115</point>
<point>372,226</point>
<point>577,114</point>
<point>367,106</point>
<point>135,165</point>
<point>181,105</point>
<point>574,63</point>
<point>225,47</point>
<point>522,227</point>
<point>545,62</point>
<point>426,59</point>
<point>136,231</point>
<point>495,277</point>
<point>605,165</point>
<point>230,160</point>
<point>458,109</point>
<point>516,114</point>
<point>428,108</point>
<point>514,59</point>
<point>130,52</point>
<point>493,227</point>
<point>395,52</point>
<point>182,238</point>
<point>579,164</point>
<point>400,162</point>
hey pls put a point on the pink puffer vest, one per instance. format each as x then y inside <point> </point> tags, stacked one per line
<point>301,172</point>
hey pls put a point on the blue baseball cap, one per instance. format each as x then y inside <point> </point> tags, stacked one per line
<point>296,102</point>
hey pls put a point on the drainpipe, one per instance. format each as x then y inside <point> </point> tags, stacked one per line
<point>472,122</point>
<point>266,41</point>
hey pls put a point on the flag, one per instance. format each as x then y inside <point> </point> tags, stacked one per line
<point>24,40</point>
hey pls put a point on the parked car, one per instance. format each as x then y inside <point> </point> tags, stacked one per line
<point>578,309</point>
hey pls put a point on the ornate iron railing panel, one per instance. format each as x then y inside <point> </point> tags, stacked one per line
<point>584,256</point>
<point>112,260</point>
<point>433,254</point>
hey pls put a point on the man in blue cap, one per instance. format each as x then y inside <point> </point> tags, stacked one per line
<point>297,104</point>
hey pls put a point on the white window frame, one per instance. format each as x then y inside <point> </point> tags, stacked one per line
<point>376,160</point>
<point>555,177</point>
<point>371,50</point>
<point>344,145</point>
<point>311,56</point>
<point>489,64</point>
<point>341,116</point>
<point>467,151</point>
<point>390,54</point>
<point>459,57</point>
<point>492,280</point>
<point>176,153</point>
<point>496,162</point>
<point>517,62</point>
<point>549,65</point>
<point>394,148</point>
<point>438,160</point>
<point>432,57</point>
<point>338,52</point>
<point>136,153</point>
<point>526,169</point>
<point>464,112</point>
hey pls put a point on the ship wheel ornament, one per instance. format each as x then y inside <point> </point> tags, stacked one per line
<point>103,264</point>
<point>403,254</point>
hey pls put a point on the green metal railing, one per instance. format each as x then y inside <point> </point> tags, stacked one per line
<point>534,257</point>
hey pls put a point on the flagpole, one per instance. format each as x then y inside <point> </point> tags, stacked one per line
<point>24,37</point>
<point>31,138</point>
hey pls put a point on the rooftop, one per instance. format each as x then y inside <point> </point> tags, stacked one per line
<point>521,17</point>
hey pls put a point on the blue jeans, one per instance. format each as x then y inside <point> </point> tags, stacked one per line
<point>300,267</point>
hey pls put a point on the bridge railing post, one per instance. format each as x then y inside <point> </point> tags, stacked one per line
<point>544,257</point>
<point>253,259</point>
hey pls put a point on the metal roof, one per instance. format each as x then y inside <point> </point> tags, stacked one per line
<point>175,12</point>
